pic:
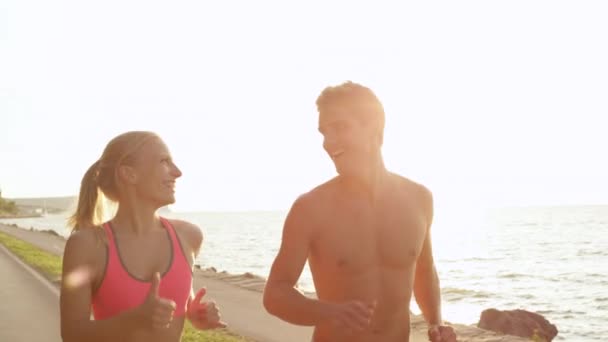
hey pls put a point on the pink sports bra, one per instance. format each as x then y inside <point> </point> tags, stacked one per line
<point>120,291</point>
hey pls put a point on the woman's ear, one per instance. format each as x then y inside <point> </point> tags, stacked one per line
<point>127,174</point>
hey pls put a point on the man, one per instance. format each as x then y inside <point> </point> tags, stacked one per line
<point>365,234</point>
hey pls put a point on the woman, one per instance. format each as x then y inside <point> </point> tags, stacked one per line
<point>133,272</point>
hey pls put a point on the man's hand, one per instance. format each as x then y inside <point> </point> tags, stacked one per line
<point>204,315</point>
<point>350,317</point>
<point>156,312</point>
<point>441,333</point>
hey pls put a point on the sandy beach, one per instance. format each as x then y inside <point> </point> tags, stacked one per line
<point>240,301</point>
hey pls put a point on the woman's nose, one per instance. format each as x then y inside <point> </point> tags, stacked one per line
<point>176,171</point>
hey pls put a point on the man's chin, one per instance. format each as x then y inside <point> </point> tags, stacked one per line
<point>346,173</point>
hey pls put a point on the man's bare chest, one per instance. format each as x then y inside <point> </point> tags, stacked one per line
<point>355,241</point>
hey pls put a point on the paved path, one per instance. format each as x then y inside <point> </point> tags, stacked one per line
<point>29,306</point>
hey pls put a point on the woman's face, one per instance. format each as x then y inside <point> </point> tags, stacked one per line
<point>155,174</point>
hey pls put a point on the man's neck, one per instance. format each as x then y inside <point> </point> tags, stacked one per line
<point>369,181</point>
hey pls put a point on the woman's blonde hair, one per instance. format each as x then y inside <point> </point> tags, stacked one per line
<point>101,179</point>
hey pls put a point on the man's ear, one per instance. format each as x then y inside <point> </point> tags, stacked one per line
<point>127,174</point>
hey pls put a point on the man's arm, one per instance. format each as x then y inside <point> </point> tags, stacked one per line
<point>280,296</point>
<point>426,281</point>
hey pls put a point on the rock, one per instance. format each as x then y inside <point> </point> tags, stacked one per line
<point>50,231</point>
<point>518,323</point>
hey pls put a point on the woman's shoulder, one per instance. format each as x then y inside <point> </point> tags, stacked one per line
<point>86,236</point>
<point>188,231</point>
<point>85,243</point>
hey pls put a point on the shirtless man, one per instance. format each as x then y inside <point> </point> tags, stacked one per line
<point>365,234</point>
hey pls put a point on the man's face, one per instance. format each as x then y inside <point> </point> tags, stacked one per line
<point>348,139</point>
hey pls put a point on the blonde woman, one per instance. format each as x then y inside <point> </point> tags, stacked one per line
<point>133,273</point>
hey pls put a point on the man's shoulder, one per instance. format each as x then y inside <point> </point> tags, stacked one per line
<point>306,202</point>
<point>417,193</point>
<point>311,205</point>
<point>410,185</point>
<point>318,194</point>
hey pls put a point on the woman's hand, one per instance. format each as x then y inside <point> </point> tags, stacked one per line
<point>204,315</point>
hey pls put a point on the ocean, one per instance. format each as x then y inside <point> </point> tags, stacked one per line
<point>550,260</point>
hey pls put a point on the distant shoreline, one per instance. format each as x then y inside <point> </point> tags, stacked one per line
<point>3,216</point>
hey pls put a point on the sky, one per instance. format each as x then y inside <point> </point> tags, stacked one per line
<point>488,103</point>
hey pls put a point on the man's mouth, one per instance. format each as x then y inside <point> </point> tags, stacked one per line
<point>170,185</point>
